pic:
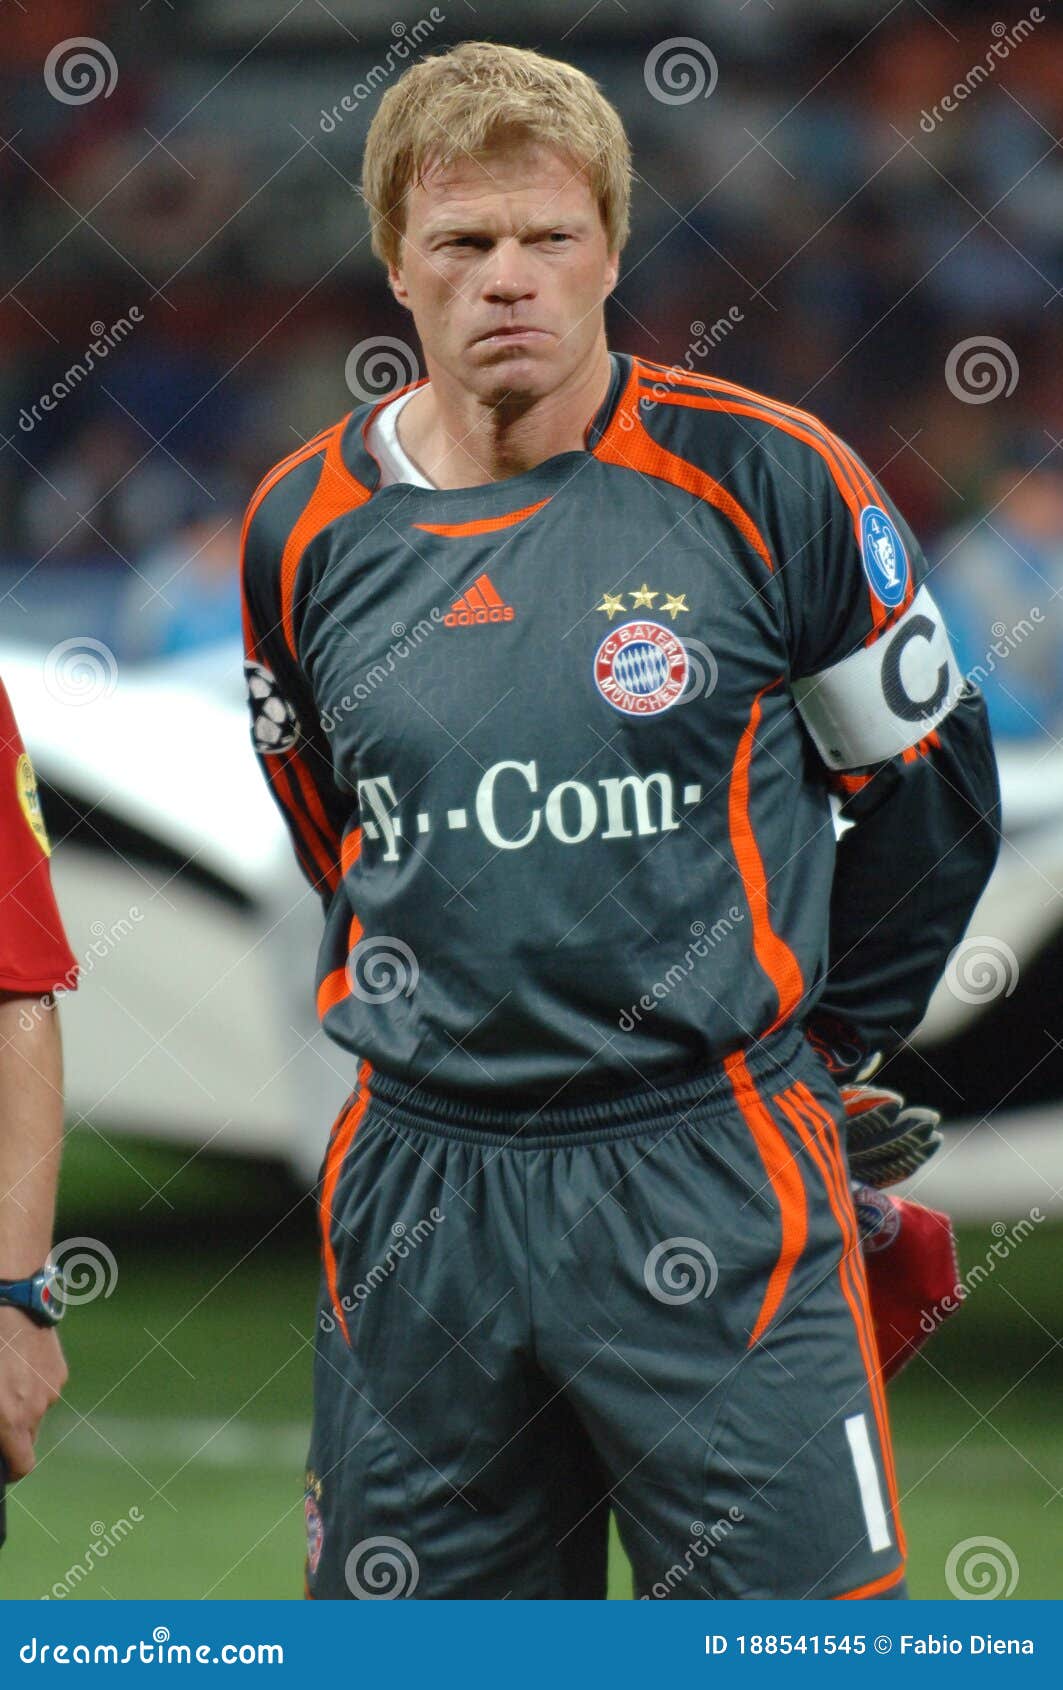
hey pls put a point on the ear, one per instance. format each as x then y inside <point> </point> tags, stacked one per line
<point>612,273</point>
<point>397,285</point>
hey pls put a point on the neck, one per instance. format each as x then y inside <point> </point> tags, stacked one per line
<point>460,440</point>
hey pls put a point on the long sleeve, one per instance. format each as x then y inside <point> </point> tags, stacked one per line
<point>908,876</point>
<point>904,742</point>
<point>288,738</point>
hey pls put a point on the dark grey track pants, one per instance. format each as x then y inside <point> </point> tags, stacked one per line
<point>654,1304</point>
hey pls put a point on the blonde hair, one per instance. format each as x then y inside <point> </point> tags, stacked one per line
<point>459,101</point>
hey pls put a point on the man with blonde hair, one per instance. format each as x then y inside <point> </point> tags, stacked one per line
<point>557,659</point>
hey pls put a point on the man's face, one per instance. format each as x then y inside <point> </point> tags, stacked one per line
<point>510,240</point>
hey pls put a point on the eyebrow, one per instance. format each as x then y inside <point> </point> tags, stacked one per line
<point>472,228</point>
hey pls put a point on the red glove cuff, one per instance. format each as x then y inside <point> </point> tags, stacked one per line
<point>912,1273</point>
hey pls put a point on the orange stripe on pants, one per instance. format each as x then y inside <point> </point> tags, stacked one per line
<point>343,1132</point>
<point>800,1106</point>
<point>873,1588</point>
<point>786,1182</point>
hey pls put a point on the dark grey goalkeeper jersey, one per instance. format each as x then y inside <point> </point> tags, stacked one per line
<point>558,752</point>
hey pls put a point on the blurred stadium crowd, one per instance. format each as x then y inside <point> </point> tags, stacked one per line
<point>843,215</point>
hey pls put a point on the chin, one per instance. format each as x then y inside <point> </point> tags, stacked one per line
<point>498,383</point>
<point>506,375</point>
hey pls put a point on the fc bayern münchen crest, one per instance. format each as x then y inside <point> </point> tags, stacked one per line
<point>274,725</point>
<point>641,668</point>
<point>879,1217</point>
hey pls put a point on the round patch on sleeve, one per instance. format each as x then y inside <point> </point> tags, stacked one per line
<point>274,724</point>
<point>884,557</point>
<point>30,803</point>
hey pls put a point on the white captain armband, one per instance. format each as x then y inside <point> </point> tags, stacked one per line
<point>884,697</point>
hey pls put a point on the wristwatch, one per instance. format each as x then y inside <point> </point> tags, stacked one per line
<point>40,1296</point>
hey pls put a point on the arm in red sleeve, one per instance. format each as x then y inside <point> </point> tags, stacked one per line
<point>35,955</point>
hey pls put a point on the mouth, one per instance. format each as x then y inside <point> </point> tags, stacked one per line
<point>509,337</point>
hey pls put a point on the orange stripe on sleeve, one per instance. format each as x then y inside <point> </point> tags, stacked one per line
<point>854,483</point>
<point>922,748</point>
<point>312,799</point>
<point>317,841</point>
<point>846,471</point>
<point>280,771</point>
<point>265,486</point>
<point>850,783</point>
<point>337,491</point>
<point>627,442</point>
<point>787,1182</point>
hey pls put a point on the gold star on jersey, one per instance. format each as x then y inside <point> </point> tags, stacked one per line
<point>642,598</point>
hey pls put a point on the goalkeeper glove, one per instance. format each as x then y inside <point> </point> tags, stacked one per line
<point>887,1140</point>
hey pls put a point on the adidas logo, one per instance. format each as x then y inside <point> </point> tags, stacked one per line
<point>478,603</point>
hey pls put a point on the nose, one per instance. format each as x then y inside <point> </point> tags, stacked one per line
<point>508,276</point>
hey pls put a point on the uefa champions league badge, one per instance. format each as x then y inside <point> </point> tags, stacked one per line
<point>641,668</point>
<point>884,557</point>
<point>274,724</point>
<point>315,1533</point>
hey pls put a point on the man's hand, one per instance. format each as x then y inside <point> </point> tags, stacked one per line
<point>32,1374</point>
<point>887,1140</point>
